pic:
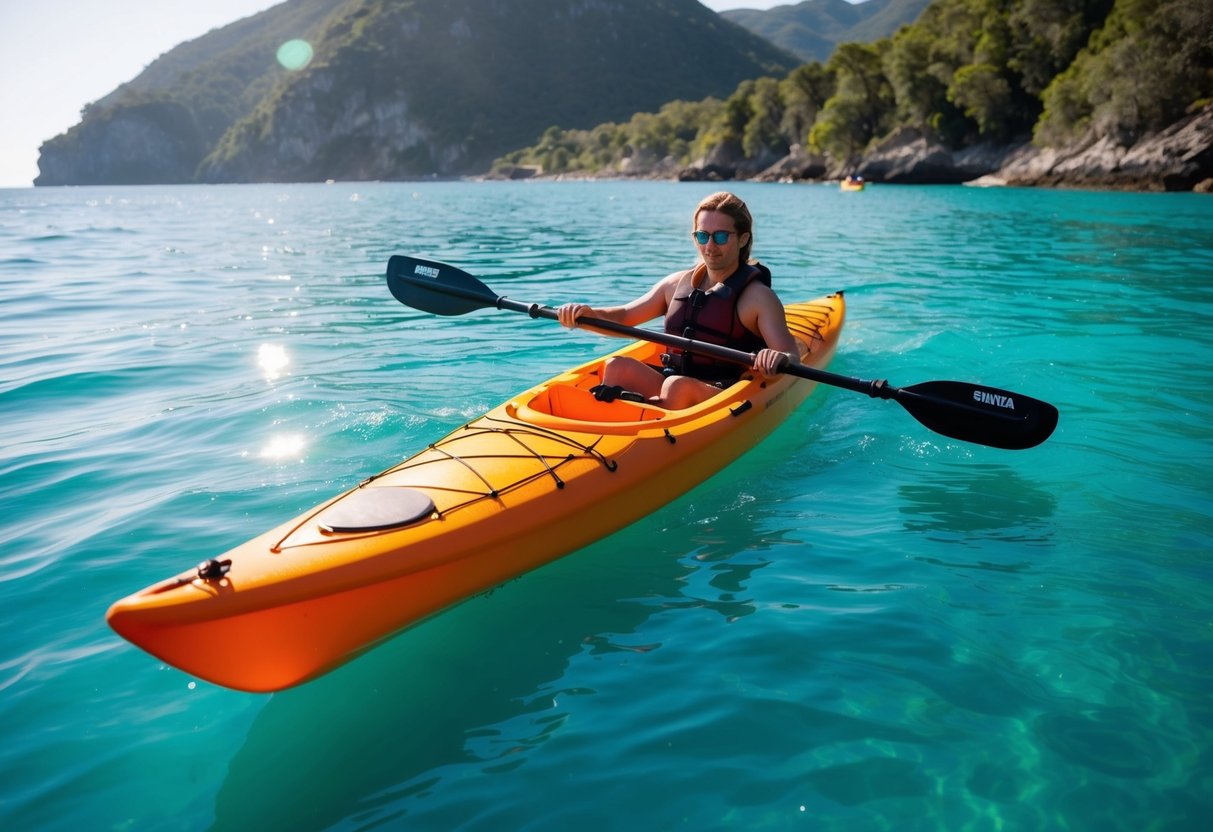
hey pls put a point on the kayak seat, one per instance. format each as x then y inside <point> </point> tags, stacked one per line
<point>610,392</point>
<point>569,402</point>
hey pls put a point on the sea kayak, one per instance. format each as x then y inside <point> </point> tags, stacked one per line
<point>543,474</point>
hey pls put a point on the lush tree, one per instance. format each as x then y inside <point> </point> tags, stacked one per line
<point>762,135</point>
<point>862,105</point>
<point>1046,36</point>
<point>804,92</point>
<point>1144,68</point>
<point>985,96</point>
<point>918,93</point>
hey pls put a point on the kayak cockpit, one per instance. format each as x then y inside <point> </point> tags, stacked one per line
<point>569,401</point>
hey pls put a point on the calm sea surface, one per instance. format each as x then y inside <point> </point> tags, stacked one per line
<point>861,625</point>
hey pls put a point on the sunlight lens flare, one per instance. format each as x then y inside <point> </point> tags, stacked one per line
<point>295,54</point>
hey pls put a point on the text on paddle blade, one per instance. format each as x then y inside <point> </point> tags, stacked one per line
<point>986,397</point>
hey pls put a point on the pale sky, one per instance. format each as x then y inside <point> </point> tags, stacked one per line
<point>58,55</point>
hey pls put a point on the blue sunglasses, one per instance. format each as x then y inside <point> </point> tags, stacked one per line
<point>717,237</point>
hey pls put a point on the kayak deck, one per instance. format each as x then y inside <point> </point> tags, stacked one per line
<point>541,475</point>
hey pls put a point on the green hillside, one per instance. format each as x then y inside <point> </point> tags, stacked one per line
<point>966,72</point>
<point>811,30</point>
<point>399,88</point>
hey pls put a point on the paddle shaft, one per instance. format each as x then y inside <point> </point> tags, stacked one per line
<point>961,410</point>
<point>876,389</point>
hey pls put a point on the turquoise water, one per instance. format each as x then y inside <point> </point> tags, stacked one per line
<point>859,626</point>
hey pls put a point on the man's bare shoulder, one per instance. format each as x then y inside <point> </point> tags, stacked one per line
<point>671,281</point>
<point>759,294</point>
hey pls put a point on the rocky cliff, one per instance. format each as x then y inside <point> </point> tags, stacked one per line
<point>145,143</point>
<point>1179,158</point>
<point>159,126</point>
<point>400,88</point>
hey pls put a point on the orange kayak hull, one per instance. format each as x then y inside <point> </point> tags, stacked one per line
<point>541,475</point>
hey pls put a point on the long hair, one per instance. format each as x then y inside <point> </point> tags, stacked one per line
<point>732,206</point>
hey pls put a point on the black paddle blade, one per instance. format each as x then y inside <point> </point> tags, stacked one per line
<point>436,287</point>
<point>985,415</point>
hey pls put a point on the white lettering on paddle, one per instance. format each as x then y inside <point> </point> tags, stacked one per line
<point>994,399</point>
<point>425,271</point>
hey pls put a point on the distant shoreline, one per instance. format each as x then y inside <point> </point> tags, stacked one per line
<point>1179,158</point>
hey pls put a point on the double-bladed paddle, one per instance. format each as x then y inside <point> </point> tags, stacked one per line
<point>957,409</point>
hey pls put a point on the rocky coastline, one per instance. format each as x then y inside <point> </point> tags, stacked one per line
<point>1179,158</point>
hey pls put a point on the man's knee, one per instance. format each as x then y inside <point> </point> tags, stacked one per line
<point>680,392</point>
<point>622,370</point>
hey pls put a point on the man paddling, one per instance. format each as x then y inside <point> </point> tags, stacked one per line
<point>726,299</point>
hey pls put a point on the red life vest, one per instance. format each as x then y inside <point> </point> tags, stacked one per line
<point>712,317</point>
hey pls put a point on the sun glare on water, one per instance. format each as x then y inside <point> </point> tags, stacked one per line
<point>273,360</point>
<point>284,446</point>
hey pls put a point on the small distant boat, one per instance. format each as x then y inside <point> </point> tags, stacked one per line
<point>852,183</point>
